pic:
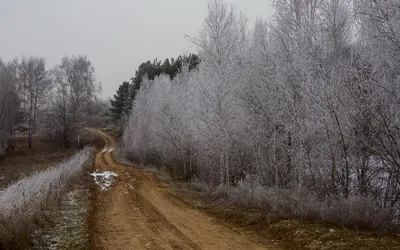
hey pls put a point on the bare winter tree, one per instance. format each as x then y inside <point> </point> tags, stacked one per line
<point>34,86</point>
<point>76,87</point>
<point>9,106</point>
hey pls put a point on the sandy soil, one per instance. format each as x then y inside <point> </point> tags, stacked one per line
<point>138,212</point>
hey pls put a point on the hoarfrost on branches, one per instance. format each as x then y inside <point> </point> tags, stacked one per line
<point>305,102</point>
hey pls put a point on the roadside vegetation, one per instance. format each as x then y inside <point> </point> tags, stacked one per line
<point>43,115</point>
<point>290,232</point>
<point>28,203</point>
<point>296,116</point>
<point>22,161</point>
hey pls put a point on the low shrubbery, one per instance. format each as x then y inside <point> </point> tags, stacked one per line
<point>28,203</point>
<point>354,212</point>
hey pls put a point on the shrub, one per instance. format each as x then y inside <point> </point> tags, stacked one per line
<point>353,212</point>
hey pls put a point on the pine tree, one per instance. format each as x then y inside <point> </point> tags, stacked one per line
<point>122,104</point>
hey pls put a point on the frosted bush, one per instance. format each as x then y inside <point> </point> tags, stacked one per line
<point>33,199</point>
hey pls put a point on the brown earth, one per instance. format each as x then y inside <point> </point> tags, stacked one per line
<point>138,212</point>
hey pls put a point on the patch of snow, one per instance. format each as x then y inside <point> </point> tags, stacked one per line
<point>104,179</point>
<point>107,149</point>
<point>2,177</point>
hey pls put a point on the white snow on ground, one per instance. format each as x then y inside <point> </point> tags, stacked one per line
<point>104,179</point>
<point>107,149</point>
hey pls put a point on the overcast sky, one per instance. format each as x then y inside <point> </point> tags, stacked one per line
<point>116,35</point>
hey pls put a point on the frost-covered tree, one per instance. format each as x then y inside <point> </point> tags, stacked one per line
<point>221,44</point>
<point>305,104</point>
<point>377,95</point>
<point>34,85</point>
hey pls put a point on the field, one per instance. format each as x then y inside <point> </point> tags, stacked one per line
<point>24,161</point>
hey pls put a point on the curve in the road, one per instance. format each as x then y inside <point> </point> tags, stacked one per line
<point>138,213</point>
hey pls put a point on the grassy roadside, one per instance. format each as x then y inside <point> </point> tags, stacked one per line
<point>24,161</point>
<point>72,229</point>
<point>68,228</point>
<point>285,231</point>
<point>288,232</point>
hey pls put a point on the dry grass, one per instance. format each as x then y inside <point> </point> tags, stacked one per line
<point>70,228</point>
<point>353,212</point>
<point>24,161</point>
<point>27,203</point>
<point>45,153</point>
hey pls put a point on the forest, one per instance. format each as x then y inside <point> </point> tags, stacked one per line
<point>297,114</point>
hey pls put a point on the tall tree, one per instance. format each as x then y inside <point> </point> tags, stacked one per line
<point>220,45</point>
<point>9,105</point>
<point>122,103</point>
<point>34,86</point>
<point>76,88</point>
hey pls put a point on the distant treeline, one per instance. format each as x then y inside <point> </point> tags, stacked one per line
<point>56,102</point>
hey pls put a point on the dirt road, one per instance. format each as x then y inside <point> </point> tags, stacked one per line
<point>137,212</point>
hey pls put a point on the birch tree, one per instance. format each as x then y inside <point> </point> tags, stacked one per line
<point>76,87</point>
<point>306,104</point>
<point>34,87</point>
<point>378,73</point>
<point>9,106</point>
<point>220,45</point>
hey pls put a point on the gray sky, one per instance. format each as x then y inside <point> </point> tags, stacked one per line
<point>116,35</point>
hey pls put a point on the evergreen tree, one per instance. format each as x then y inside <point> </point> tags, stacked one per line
<point>170,67</point>
<point>122,103</point>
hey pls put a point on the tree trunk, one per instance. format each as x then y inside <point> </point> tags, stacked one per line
<point>221,168</point>
<point>66,141</point>
<point>29,140</point>
<point>2,151</point>
<point>79,140</point>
